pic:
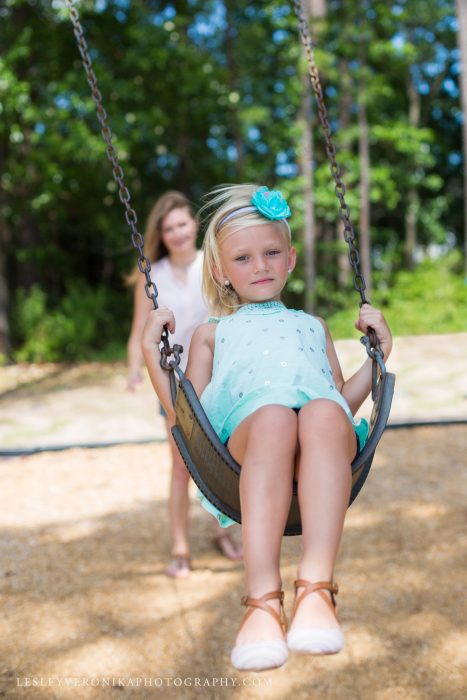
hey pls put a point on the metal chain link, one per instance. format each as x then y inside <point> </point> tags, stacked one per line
<point>371,341</point>
<point>144,264</point>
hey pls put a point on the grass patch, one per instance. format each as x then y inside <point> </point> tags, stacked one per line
<point>430,299</point>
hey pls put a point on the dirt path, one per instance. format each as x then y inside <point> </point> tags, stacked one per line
<point>55,405</point>
<point>88,613</point>
<point>84,542</point>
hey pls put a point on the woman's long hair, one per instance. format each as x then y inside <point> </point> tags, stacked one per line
<point>154,247</point>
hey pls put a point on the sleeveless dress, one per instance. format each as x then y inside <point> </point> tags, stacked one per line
<point>185,299</point>
<point>266,354</point>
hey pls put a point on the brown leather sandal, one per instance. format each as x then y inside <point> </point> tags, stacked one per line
<point>178,567</point>
<point>260,656</point>
<point>316,640</point>
<point>261,603</point>
<point>227,547</point>
<point>317,587</point>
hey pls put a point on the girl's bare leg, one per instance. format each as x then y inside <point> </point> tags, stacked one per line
<point>264,444</point>
<point>327,446</point>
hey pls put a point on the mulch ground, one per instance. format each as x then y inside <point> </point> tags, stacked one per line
<point>88,613</point>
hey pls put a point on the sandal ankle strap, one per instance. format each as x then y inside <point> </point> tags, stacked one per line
<point>262,605</point>
<point>317,587</point>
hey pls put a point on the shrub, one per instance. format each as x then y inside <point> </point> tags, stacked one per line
<point>430,299</point>
<point>83,321</point>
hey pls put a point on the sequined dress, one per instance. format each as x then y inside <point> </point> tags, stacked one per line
<point>267,354</point>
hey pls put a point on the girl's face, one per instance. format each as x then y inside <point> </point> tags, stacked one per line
<point>256,261</point>
<point>179,231</point>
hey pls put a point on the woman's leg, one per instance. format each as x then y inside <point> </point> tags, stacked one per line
<point>178,500</point>
<point>179,507</point>
<point>264,444</point>
<point>225,542</point>
<point>327,446</point>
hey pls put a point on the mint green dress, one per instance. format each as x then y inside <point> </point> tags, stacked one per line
<point>267,354</point>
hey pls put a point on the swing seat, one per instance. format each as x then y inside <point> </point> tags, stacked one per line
<point>217,474</point>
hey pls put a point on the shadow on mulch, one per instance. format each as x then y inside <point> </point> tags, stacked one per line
<point>34,380</point>
<point>85,597</point>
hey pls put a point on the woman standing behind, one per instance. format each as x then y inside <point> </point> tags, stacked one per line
<point>176,267</point>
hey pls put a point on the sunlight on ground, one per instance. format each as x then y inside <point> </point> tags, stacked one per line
<point>85,541</point>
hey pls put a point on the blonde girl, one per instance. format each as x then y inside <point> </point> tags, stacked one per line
<point>176,267</point>
<point>270,382</point>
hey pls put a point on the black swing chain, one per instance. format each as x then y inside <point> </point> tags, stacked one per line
<point>144,264</point>
<point>371,340</point>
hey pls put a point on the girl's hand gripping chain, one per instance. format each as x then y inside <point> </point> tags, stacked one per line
<point>150,342</point>
<point>154,327</point>
<point>371,317</point>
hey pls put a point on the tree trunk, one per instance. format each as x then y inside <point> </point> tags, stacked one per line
<point>233,87</point>
<point>306,163</point>
<point>5,345</point>
<point>317,10</point>
<point>364,221</point>
<point>343,267</point>
<point>327,234</point>
<point>183,152</point>
<point>27,239</point>
<point>411,214</point>
<point>462,43</point>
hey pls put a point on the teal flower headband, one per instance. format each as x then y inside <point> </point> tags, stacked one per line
<point>269,203</point>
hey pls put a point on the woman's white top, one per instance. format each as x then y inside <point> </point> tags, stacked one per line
<point>185,299</point>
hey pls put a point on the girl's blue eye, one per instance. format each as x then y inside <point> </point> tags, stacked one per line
<point>274,252</point>
<point>241,258</point>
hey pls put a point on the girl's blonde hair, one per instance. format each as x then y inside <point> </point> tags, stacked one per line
<point>154,247</point>
<point>221,299</point>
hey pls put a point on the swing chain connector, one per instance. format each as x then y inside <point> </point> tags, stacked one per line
<point>171,366</point>
<point>373,349</point>
<point>168,351</point>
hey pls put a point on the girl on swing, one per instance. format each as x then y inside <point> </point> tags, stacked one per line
<point>270,382</point>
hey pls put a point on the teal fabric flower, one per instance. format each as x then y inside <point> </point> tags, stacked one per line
<point>271,203</point>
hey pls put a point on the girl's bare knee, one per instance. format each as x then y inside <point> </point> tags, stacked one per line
<point>276,421</point>
<point>272,426</point>
<point>323,417</point>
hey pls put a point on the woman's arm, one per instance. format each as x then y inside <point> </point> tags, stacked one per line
<point>356,389</point>
<point>142,306</point>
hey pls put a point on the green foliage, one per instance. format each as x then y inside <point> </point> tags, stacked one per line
<point>204,92</point>
<point>78,326</point>
<point>430,299</point>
